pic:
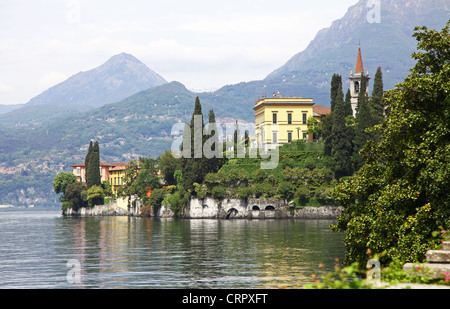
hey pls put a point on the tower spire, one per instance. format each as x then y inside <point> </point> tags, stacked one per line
<point>355,82</point>
<point>359,62</point>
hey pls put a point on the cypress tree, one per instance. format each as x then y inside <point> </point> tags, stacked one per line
<point>197,126</point>
<point>93,177</point>
<point>348,104</point>
<point>336,85</point>
<point>236,140</point>
<point>341,138</point>
<point>186,160</point>
<point>193,167</point>
<point>362,96</point>
<point>96,161</point>
<point>86,160</point>
<point>213,145</point>
<point>327,122</point>
<point>327,126</point>
<point>363,122</point>
<point>246,140</point>
<point>376,103</point>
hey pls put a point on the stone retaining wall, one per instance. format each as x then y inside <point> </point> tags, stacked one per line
<point>117,207</point>
<point>210,208</point>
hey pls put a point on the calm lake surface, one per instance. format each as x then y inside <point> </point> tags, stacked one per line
<point>120,252</point>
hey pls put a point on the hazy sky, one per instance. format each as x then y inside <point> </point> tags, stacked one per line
<point>204,44</point>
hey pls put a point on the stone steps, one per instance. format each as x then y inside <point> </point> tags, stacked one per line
<point>446,246</point>
<point>438,256</point>
<point>436,269</point>
<point>438,261</point>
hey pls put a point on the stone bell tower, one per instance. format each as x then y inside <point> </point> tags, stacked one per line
<point>355,82</point>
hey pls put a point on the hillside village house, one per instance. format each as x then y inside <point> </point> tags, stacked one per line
<point>280,120</point>
<point>112,172</point>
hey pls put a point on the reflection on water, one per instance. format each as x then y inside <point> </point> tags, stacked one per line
<point>122,252</point>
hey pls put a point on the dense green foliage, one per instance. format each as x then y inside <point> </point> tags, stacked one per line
<point>395,202</point>
<point>302,177</point>
<point>168,166</point>
<point>95,195</point>
<point>140,177</point>
<point>74,196</point>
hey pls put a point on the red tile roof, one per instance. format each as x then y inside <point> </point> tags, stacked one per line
<point>119,166</point>
<point>321,110</point>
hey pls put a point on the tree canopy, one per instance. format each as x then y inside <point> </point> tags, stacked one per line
<point>397,201</point>
<point>62,180</point>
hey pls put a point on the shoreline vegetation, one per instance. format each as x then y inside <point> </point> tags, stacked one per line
<point>388,168</point>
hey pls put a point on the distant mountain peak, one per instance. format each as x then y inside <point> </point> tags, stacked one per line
<point>118,78</point>
<point>123,58</point>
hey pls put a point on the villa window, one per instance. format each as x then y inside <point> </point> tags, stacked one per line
<point>275,137</point>
<point>289,137</point>
<point>274,118</point>
<point>289,118</point>
<point>305,118</point>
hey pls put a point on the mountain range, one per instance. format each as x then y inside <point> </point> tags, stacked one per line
<point>120,77</point>
<point>130,109</point>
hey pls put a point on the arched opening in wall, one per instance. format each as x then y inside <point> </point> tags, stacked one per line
<point>205,206</point>
<point>232,213</point>
<point>270,208</point>
<point>256,208</point>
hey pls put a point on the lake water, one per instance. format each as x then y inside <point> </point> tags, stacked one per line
<point>41,249</point>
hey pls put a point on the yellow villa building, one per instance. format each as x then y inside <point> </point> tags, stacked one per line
<point>280,120</point>
<point>116,176</point>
